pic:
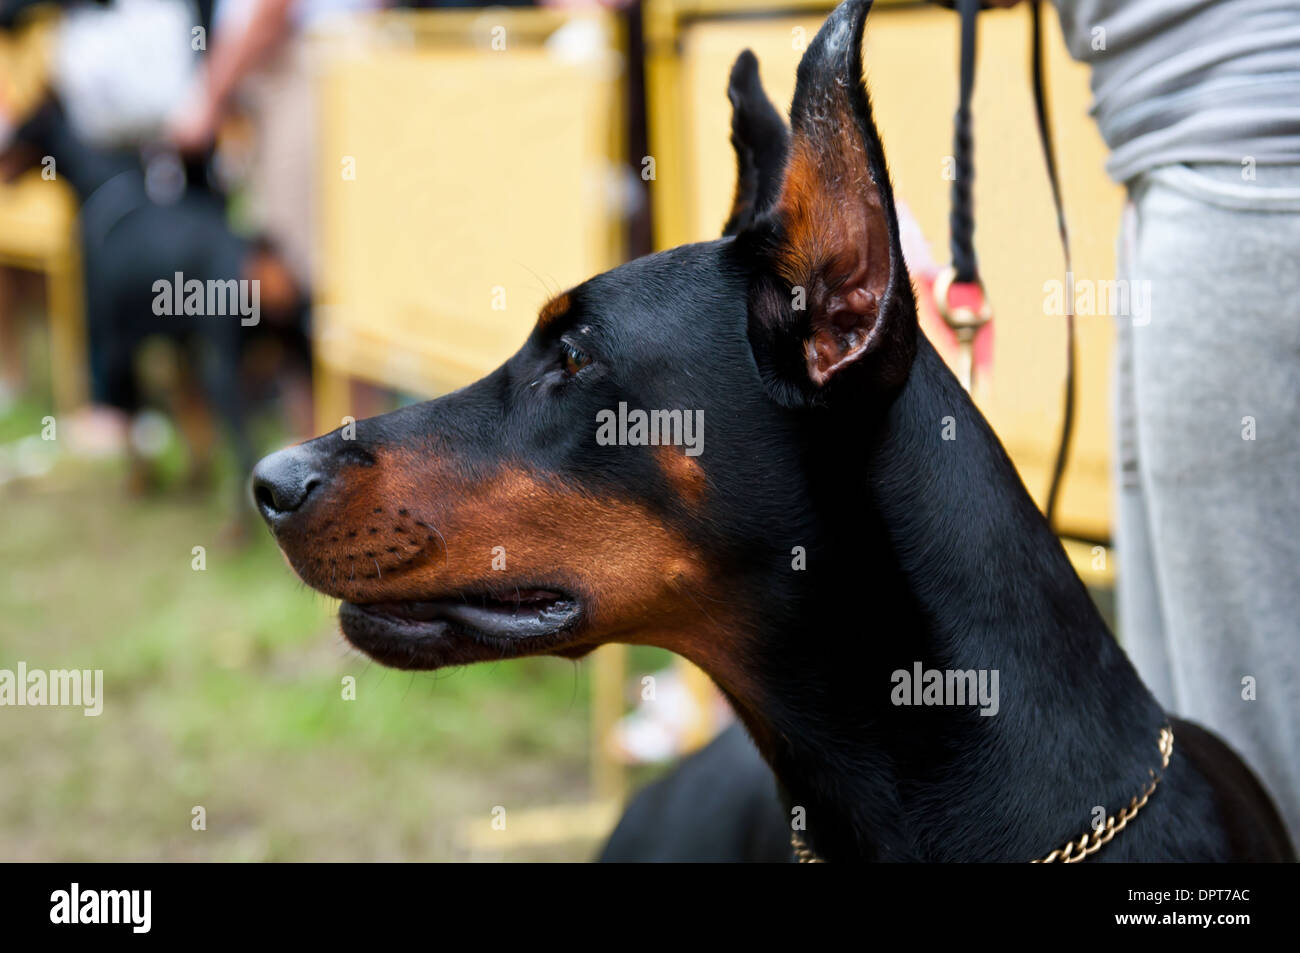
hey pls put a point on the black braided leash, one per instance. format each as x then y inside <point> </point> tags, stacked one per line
<point>961,216</point>
<point>1049,159</point>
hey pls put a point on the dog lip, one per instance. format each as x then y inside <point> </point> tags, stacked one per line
<point>526,613</point>
<point>432,633</point>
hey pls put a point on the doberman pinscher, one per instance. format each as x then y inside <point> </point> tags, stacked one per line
<point>827,539</point>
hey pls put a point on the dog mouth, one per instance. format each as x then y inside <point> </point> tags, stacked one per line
<point>461,628</point>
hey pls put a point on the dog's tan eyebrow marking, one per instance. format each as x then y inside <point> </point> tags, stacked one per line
<point>553,310</point>
<point>683,474</point>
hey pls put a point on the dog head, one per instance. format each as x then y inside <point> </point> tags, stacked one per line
<point>639,470</point>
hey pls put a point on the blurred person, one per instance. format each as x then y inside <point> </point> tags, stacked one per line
<point>258,53</point>
<point>103,95</point>
<point>1199,103</point>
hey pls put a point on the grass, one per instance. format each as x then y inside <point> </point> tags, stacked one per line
<point>224,690</point>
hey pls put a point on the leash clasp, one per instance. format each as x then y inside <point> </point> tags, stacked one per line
<point>965,309</point>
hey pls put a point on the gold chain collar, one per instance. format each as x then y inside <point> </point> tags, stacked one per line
<point>1073,851</point>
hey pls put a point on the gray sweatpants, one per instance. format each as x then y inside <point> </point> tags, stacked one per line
<point>1207,400</point>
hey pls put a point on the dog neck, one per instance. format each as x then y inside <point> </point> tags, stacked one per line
<point>937,555</point>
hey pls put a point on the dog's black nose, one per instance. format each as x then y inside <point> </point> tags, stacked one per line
<point>283,482</point>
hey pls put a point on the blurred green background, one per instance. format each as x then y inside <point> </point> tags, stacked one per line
<point>223,688</point>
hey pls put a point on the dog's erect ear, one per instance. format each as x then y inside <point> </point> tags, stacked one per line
<point>761,141</point>
<point>831,298</point>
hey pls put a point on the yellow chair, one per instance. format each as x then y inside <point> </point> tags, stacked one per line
<point>454,196</point>
<point>470,168</point>
<point>38,233</point>
<point>38,220</point>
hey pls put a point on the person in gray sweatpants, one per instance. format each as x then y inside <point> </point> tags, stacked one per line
<point>1207,462</point>
<point>1199,102</point>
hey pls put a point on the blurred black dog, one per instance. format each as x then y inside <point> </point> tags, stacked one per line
<point>160,259</point>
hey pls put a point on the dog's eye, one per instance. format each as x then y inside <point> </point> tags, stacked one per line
<point>575,359</point>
